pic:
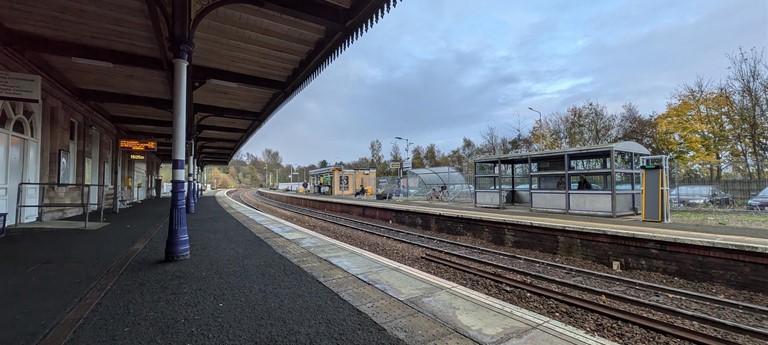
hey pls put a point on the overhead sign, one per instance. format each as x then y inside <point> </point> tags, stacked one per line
<point>19,87</point>
<point>137,157</point>
<point>138,145</point>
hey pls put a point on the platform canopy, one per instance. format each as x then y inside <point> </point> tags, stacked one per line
<point>250,57</point>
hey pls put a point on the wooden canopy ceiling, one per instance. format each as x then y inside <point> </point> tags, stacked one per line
<point>250,57</point>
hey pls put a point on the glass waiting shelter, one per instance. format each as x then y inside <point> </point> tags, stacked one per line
<point>597,180</point>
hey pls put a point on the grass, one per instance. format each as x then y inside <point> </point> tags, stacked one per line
<point>756,220</point>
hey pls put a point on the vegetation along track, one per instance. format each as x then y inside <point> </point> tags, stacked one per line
<point>728,321</point>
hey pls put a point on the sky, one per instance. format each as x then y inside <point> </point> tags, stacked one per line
<point>436,71</point>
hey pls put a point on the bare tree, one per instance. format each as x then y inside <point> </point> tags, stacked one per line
<point>491,144</point>
<point>748,86</point>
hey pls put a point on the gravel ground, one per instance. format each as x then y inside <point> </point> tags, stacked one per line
<point>598,325</point>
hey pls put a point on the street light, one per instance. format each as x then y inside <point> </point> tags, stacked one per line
<point>407,147</point>
<point>277,178</point>
<point>529,108</point>
<point>407,159</point>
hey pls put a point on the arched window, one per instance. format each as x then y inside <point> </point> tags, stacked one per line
<point>17,117</point>
<point>19,126</point>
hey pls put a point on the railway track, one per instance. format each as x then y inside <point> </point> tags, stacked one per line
<point>728,321</point>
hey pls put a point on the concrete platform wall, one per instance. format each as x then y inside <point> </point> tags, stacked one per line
<point>735,266</point>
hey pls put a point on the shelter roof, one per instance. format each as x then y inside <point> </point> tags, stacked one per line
<point>439,176</point>
<point>250,57</point>
<point>623,146</point>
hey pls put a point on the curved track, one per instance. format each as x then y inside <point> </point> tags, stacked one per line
<point>594,289</point>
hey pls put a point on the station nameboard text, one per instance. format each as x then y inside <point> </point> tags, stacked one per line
<point>138,145</point>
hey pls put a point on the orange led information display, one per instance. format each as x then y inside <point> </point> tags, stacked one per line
<point>138,145</point>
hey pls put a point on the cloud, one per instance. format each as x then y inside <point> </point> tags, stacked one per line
<point>438,71</point>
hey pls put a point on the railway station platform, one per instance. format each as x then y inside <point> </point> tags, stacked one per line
<point>728,255</point>
<point>630,226</point>
<point>250,279</point>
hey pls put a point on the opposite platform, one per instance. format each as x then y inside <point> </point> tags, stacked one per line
<point>748,239</point>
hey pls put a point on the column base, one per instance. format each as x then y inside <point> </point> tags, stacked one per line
<point>176,257</point>
<point>177,243</point>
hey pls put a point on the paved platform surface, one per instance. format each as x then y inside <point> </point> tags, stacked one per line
<point>251,279</point>
<point>418,307</point>
<point>235,289</point>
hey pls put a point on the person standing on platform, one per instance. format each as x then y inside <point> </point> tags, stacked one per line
<point>583,183</point>
<point>561,183</point>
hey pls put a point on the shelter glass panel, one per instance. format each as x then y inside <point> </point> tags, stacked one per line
<point>524,183</point>
<point>485,182</point>
<point>506,169</point>
<point>623,160</point>
<point>485,168</point>
<point>595,181</point>
<point>588,164</point>
<point>627,181</point>
<point>522,169</point>
<point>549,165</point>
<point>550,182</point>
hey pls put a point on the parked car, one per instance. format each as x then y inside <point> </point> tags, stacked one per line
<point>759,201</point>
<point>701,195</point>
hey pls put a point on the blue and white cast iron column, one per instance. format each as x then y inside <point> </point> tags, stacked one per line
<point>199,181</point>
<point>190,177</point>
<point>177,244</point>
<point>197,186</point>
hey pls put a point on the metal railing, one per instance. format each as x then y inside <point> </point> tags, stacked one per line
<point>84,203</point>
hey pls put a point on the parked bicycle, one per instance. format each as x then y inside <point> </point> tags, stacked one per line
<point>438,194</point>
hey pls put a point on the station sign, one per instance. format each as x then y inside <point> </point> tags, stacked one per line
<point>394,165</point>
<point>138,145</point>
<point>137,157</point>
<point>19,87</point>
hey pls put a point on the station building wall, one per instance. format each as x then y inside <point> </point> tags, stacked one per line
<point>67,124</point>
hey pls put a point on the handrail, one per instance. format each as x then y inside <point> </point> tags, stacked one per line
<point>83,203</point>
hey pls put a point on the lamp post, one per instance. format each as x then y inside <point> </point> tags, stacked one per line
<point>407,159</point>
<point>277,178</point>
<point>531,109</point>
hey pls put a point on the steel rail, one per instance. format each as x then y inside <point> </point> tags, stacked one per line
<point>691,316</point>
<point>703,319</point>
<point>659,326</point>
<point>690,295</point>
